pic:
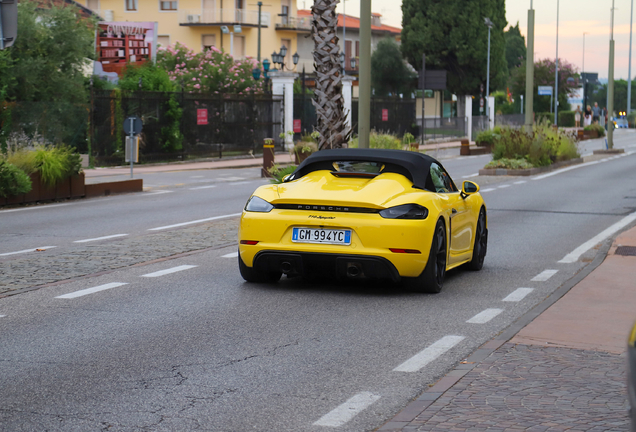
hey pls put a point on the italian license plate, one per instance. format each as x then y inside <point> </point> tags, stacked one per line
<point>320,235</point>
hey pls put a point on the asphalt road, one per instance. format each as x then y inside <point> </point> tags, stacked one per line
<point>199,349</point>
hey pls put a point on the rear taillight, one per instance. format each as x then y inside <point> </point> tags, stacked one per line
<point>407,251</point>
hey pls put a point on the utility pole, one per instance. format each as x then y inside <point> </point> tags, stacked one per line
<point>629,73</point>
<point>610,87</point>
<point>530,68</point>
<point>364,100</point>
<point>489,24</point>
<point>556,71</point>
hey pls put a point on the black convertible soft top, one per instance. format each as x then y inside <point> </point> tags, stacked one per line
<point>413,165</point>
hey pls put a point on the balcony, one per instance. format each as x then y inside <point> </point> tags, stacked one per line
<point>217,17</point>
<point>302,24</point>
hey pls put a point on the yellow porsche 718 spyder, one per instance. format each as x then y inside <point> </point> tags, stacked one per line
<point>357,213</point>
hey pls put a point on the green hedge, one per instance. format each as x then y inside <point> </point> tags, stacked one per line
<point>566,119</point>
<point>13,181</point>
<point>544,117</point>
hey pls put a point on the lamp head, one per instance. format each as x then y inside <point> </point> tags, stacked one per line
<point>295,58</point>
<point>283,51</point>
<point>256,73</point>
<point>266,65</point>
<point>488,22</point>
<point>353,62</point>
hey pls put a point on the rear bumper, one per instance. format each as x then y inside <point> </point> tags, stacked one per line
<point>342,265</point>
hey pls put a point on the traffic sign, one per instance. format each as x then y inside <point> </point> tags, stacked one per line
<point>545,91</point>
<point>132,125</point>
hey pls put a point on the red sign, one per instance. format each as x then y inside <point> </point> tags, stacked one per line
<point>202,116</point>
<point>296,125</point>
<point>385,115</point>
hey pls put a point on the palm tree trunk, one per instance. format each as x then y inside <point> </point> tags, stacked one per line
<point>328,99</point>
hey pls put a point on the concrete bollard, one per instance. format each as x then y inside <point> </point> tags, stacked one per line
<point>268,157</point>
<point>464,150</point>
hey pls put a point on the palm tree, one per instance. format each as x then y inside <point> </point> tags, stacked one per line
<point>328,99</point>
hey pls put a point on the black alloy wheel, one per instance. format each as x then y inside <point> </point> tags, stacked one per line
<point>481,243</point>
<point>432,278</point>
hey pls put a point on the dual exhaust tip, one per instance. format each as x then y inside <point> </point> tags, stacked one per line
<point>353,269</point>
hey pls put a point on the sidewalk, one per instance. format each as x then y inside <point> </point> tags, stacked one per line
<point>560,367</point>
<point>283,158</point>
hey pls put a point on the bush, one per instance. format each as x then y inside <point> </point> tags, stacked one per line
<point>488,136</point>
<point>279,172</point>
<point>596,127</point>
<point>541,146</point>
<point>566,119</point>
<point>380,141</point>
<point>509,163</point>
<point>544,117</point>
<point>13,181</point>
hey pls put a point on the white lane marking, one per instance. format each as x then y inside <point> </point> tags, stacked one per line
<point>487,190</point>
<point>194,222</point>
<point>230,255</point>
<point>100,238</point>
<point>238,183</point>
<point>484,316</point>
<point>203,187</point>
<point>503,186</point>
<point>34,208</point>
<point>169,271</point>
<point>428,354</point>
<point>159,192</point>
<point>544,276</point>
<point>27,250</point>
<point>471,175</point>
<point>232,178</point>
<point>576,253</point>
<point>348,410</point>
<point>2,316</point>
<point>521,182</point>
<point>197,176</point>
<point>518,294</point>
<point>564,170</point>
<point>91,290</point>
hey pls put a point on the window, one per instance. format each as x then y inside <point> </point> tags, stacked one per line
<point>284,18</point>
<point>239,47</point>
<point>92,4</point>
<point>168,5</point>
<point>131,5</point>
<point>441,179</point>
<point>163,41</point>
<point>208,41</point>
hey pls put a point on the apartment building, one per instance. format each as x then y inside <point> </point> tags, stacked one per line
<point>231,25</point>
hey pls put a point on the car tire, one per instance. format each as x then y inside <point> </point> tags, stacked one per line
<point>250,274</point>
<point>432,277</point>
<point>481,243</point>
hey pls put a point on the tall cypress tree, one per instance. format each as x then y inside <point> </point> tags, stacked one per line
<point>454,38</point>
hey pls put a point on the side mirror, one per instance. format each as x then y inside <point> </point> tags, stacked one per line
<point>469,188</point>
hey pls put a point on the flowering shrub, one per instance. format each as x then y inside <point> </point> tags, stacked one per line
<point>211,72</point>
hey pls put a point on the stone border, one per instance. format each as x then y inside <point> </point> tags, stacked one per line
<point>528,171</point>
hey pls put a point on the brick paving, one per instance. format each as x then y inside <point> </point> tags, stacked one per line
<point>536,389</point>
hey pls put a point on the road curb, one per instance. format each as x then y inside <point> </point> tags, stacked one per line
<point>428,397</point>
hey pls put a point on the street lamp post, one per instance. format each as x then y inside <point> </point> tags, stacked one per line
<point>610,87</point>
<point>489,24</point>
<point>629,73</point>
<point>556,70</point>
<point>530,69</point>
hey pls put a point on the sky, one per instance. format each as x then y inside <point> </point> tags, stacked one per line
<point>575,18</point>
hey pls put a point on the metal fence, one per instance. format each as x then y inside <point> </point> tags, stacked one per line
<point>171,131</point>
<point>388,115</point>
<point>443,127</point>
<point>479,123</point>
<point>52,121</point>
<point>513,120</point>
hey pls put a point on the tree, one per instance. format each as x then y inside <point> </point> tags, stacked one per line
<point>389,73</point>
<point>515,47</point>
<point>454,38</point>
<point>328,99</point>
<point>47,60</point>
<point>544,76</point>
